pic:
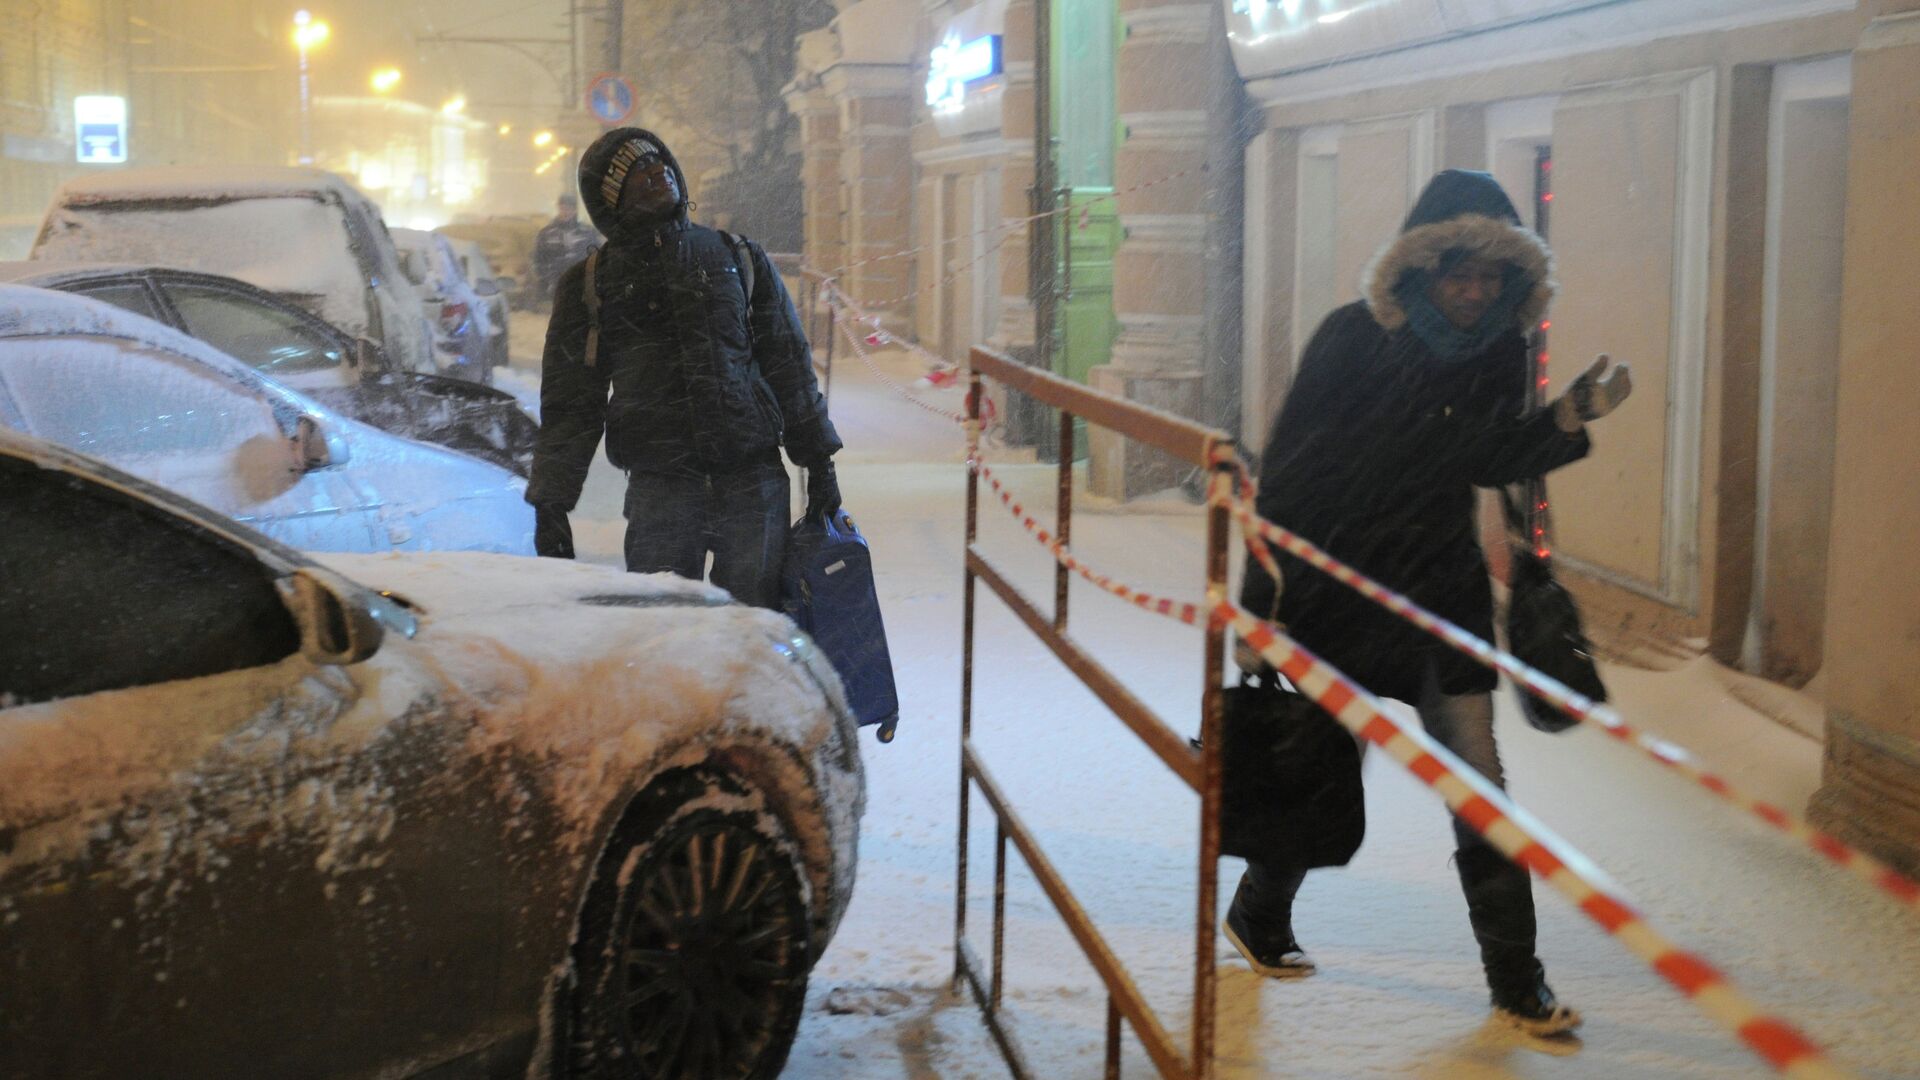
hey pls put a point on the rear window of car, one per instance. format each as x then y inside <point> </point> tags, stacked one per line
<point>291,245</point>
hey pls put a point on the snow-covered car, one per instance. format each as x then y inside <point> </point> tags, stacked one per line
<point>448,815</point>
<point>299,350</point>
<point>462,333</point>
<point>180,413</point>
<point>303,234</point>
<point>492,288</point>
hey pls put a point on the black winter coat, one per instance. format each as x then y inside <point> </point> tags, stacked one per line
<point>691,377</point>
<point>1374,457</point>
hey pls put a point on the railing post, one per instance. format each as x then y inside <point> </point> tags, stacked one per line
<point>1063,520</point>
<point>1212,699</point>
<point>974,390</point>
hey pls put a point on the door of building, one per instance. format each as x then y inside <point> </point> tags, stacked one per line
<point>1799,361</point>
<point>1085,38</point>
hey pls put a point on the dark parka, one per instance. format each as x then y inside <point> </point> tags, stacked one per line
<point>1380,443</point>
<point>689,378</point>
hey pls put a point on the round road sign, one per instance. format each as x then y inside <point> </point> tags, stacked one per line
<point>610,97</point>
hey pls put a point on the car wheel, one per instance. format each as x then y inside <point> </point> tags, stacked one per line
<point>693,953</point>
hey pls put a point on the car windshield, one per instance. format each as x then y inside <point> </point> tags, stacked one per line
<point>292,245</point>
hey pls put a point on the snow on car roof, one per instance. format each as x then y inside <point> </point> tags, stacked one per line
<point>36,271</point>
<point>209,183</point>
<point>29,311</point>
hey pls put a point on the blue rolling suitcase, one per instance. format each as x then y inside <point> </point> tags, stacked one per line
<point>827,590</point>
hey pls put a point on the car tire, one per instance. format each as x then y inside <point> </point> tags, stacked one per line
<point>694,946</point>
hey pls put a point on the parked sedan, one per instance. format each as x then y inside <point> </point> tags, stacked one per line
<point>306,353</point>
<point>492,288</point>
<point>180,413</point>
<point>462,333</point>
<point>455,814</point>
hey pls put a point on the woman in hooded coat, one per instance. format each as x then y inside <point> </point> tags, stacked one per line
<point>1403,404</point>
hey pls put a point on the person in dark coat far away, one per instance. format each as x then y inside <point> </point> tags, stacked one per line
<point>1404,403</point>
<point>695,384</point>
<point>560,243</point>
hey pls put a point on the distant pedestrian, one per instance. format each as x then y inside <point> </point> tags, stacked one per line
<point>560,243</point>
<point>680,344</point>
<point>1404,403</point>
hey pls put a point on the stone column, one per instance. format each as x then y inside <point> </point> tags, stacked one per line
<point>876,169</point>
<point>1871,790</point>
<point>1158,289</point>
<point>822,211</point>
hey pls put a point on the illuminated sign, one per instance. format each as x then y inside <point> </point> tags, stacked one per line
<point>100,130</point>
<point>956,65</point>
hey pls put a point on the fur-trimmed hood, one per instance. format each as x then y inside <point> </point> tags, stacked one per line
<point>1460,210</point>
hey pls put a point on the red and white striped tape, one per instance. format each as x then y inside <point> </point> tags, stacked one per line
<point>857,341</point>
<point>1488,811</point>
<point>1190,613</point>
<point>1260,532</point>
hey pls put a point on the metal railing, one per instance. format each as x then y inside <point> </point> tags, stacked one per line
<point>1198,769</point>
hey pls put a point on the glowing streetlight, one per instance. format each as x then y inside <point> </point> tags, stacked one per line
<point>308,33</point>
<point>455,105</point>
<point>543,138</point>
<point>506,129</point>
<point>385,80</point>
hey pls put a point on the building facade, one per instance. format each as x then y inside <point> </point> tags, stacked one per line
<point>202,82</point>
<point>1727,187</point>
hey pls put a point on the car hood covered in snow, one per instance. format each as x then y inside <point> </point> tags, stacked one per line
<point>608,677</point>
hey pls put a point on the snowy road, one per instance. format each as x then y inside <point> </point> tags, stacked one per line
<point>1399,992</point>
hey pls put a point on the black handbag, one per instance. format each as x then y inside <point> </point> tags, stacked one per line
<point>1290,792</point>
<point>1543,622</point>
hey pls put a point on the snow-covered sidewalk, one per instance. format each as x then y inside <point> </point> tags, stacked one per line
<point>1399,991</point>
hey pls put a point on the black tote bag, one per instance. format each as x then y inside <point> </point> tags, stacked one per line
<point>1543,623</point>
<point>1291,792</point>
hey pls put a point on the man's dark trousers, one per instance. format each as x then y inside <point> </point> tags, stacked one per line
<point>675,519</point>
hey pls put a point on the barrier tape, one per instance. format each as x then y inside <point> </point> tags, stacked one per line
<point>1485,808</point>
<point>855,342</point>
<point>1259,533</point>
<point>1488,811</point>
<point>1189,613</point>
<point>1008,225</point>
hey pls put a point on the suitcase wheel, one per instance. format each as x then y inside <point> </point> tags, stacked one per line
<point>886,729</point>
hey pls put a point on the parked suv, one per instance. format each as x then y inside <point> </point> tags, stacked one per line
<point>302,234</point>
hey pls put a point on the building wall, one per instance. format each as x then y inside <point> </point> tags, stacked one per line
<point>1660,221</point>
<point>205,82</point>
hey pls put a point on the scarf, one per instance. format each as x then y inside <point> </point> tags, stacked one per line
<point>1446,341</point>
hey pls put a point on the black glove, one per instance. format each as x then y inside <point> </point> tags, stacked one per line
<point>552,533</point>
<point>823,491</point>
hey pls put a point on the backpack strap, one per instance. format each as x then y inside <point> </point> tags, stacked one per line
<point>742,261</point>
<point>593,308</point>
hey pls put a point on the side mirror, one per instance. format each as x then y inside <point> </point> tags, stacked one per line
<point>334,627</point>
<point>314,447</point>
<point>486,287</point>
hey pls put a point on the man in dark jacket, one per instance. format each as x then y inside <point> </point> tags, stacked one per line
<point>560,243</point>
<point>656,342</point>
<point>1404,403</point>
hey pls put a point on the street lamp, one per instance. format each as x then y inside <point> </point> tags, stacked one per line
<point>543,138</point>
<point>385,80</point>
<point>308,33</point>
<point>455,106</point>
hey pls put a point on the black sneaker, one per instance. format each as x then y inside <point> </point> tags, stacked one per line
<point>1531,1007</point>
<point>1274,957</point>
